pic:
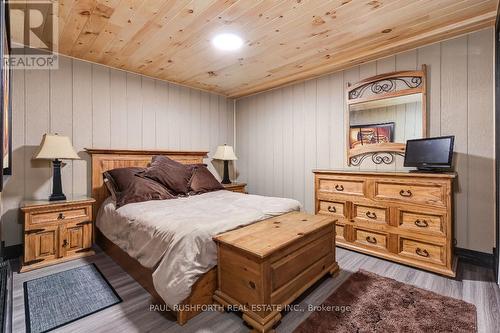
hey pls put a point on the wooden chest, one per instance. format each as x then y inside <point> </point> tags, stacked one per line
<point>405,217</point>
<point>267,265</point>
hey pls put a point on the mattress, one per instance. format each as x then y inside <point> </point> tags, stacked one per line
<point>174,237</point>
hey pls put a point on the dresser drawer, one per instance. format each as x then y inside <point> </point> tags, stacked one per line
<point>341,186</point>
<point>432,194</point>
<point>426,223</point>
<point>371,239</point>
<point>332,208</point>
<point>422,251</point>
<point>60,216</point>
<point>364,213</point>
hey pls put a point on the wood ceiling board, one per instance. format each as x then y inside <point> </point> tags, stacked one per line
<point>285,41</point>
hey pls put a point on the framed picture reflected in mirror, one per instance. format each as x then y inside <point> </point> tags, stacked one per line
<point>363,135</point>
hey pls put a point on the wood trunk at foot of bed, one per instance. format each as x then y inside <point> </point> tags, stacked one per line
<point>108,159</point>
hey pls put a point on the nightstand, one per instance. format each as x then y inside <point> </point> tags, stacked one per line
<point>235,187</point>
<point>56,231</point>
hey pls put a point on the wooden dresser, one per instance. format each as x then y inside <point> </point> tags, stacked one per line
<point>404,217</point>
<point>56,231</point>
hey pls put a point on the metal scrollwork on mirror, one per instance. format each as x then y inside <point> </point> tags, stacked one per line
<point>383,112</point>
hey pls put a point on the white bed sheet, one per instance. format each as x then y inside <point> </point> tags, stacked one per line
<point>174,237</point>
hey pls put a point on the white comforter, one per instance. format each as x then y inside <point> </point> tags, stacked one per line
<point>174,237</point>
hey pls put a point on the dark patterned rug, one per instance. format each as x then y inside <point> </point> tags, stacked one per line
<point>367,302</point>
<point>58,299</point>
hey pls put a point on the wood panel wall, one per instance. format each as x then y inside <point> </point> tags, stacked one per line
<point>103,108</point>
<point>285,133</point>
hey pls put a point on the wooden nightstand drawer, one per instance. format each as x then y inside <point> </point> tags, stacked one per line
<point>61,215</point>
<point>56,231</point>
<point>236,187</point>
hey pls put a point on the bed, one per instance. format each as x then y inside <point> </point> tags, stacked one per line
<point>166,245</point>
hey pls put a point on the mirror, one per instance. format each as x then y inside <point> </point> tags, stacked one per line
<point>383,112</point>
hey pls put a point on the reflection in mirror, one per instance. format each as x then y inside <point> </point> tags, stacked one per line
<point>391,120</point>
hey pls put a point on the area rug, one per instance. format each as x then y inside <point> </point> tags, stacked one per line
<point>367,302</point>
<point>58,299</point>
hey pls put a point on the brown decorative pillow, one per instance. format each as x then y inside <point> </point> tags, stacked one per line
<point>171,174</point>
<point>129,187</point>
<point>203,180</point>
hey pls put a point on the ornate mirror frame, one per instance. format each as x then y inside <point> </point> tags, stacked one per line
<point>378,88</point>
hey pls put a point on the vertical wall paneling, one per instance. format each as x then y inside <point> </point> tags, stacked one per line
<point>105,108</point>
<point>134,111</point>
<point>337,137</point>
<point>149,109</point>
<point>101,112</point>
<point>479,136</point>
<point>82,125</point>
<point>118,109</point>
<point>454,122</point>
<point>61,104</point>
<point>309,128</point>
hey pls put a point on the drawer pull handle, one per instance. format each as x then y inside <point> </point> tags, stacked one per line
<point>421,223</point>
<point>422,253</point>
<point>332,209</point>
<point>61,216</point>
<point>65,243</point>
<point>371,215</point>
<point>405,193</point>
<point>371,240</point>
<point>339,188</point>
<point>252,284</point>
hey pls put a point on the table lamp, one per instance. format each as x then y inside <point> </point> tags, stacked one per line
<point>226,154</point>
<point>56,148</point>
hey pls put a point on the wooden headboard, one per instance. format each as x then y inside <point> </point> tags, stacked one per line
<point>108,159</point>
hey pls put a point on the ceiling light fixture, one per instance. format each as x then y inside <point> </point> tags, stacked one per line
<point>227,42</point>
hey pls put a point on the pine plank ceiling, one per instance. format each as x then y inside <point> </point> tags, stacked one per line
<point>285,41</point>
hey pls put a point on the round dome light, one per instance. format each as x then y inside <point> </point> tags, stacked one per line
<point>227,42</point>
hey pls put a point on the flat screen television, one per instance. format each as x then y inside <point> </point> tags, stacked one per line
<point>431,154</point>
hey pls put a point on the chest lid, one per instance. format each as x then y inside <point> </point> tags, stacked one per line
<point>264,238</point>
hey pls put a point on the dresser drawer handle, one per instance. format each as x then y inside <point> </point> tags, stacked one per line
<point>371,215</point>
<point>371,240</point>
<point>422,253</point>
<point>339,188</point>
<point>61,216</point>
<point>332,209</point>
<point>421,223</point>
<point>405,193</point>
<point>252,284</point>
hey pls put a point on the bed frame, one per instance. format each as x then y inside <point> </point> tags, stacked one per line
<point>107,159</point>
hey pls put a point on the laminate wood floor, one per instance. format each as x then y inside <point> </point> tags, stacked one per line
<point>473,284</point>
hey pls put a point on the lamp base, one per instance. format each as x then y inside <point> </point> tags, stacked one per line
<point>225,178</point>
<point>57,197</point>
<point>57,193</point>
